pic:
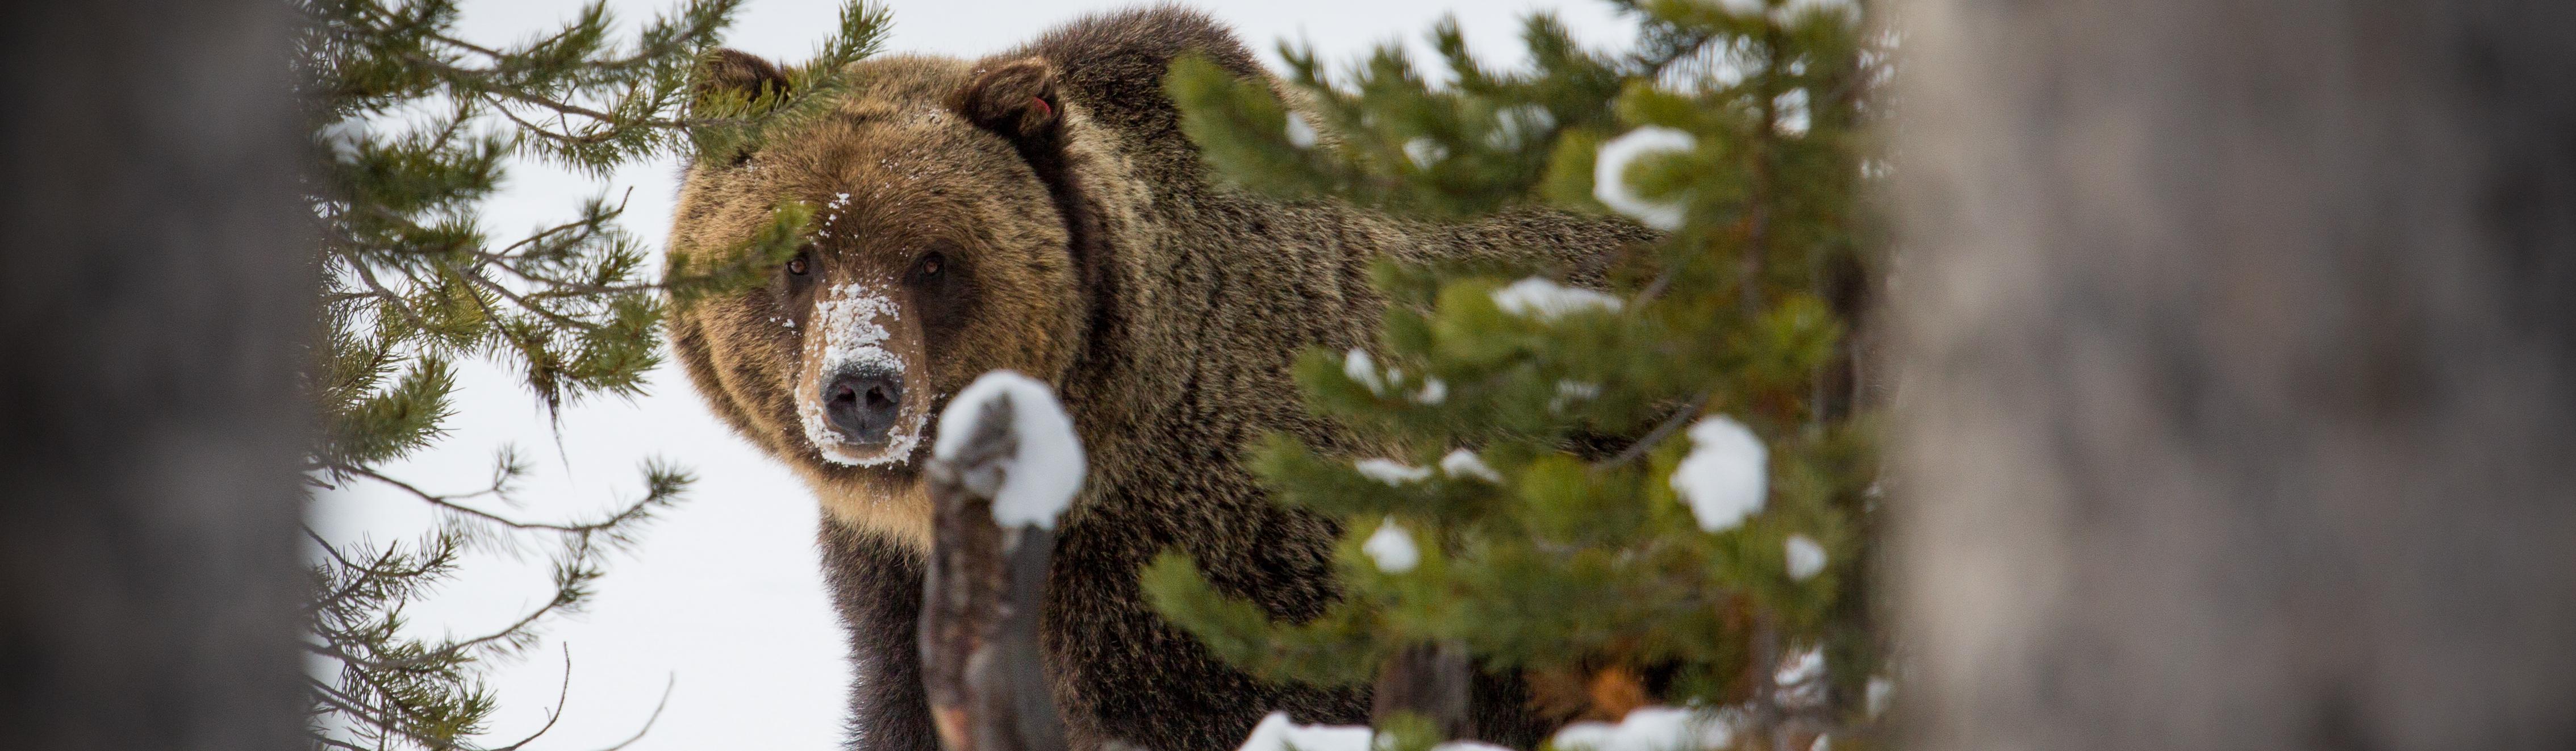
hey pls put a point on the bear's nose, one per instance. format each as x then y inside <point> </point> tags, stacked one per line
<point>863,406</point>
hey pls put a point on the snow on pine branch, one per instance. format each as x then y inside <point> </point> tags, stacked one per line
<point>1277,733</point>
<point>1724,478</point>
<point>1650,729</point>
<point>1392,548</point>
<point>1610,174</point>
<point>1545,300</point>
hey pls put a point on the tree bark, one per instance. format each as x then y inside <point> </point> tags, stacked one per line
<point>1431,681</point>
<point>982,596</point>
<point>2238,405</point>
<point>156,293</point>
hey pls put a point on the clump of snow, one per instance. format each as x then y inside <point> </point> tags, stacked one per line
<point>1301,134</point>
<point>1463,464</point>
<point>1425,152</point>
<point>1824,742</point>
<point>1046,465</point>
<point>1610,173</point>
<point>1390,471</point>
<point>852,319</point>
<point>1806,558</point>
<point>1545,300</point>
<point>347,138</point>
<point>1392,548</point>
<point>1800,668</point>
<point>1357,366</point>
<point>1874,699</point>
<point>1276,733</point>
<point>1725,476</point>
<point>1434,391</point>
<point>1792,108</point>
<point>1650,729</point>
<point>1801,679</point>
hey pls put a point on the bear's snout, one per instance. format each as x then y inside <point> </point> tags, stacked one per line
<point>863,406</point>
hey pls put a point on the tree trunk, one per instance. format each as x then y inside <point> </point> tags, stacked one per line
<point>1431,681</point>
<point>2239,395</point>
<point>983,594</point>
<point>156,291</point>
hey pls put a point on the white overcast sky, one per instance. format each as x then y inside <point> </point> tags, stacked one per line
<point>722,600</point>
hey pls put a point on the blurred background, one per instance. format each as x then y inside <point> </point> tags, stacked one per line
<point>2230,354</point>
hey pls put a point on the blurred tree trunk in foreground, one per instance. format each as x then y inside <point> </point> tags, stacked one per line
<point>155,291</point>
<point>2240,403</point>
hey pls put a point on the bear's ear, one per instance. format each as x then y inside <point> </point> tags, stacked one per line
<point>730,70</point>
<point>1016,99</point>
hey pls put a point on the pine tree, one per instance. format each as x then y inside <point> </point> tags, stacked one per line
<point>413,128</point>
<point>1662,494</point>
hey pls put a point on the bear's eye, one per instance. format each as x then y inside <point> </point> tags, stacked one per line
<point>929,268</point>
<point>798,265</point>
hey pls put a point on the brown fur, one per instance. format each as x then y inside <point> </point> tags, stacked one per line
<point>1099,255</point>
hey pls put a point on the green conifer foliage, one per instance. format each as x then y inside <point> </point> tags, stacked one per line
<point>1529,508</point>
<point>414,129</point>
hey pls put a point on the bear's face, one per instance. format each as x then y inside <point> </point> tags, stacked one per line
<point>935,253</point>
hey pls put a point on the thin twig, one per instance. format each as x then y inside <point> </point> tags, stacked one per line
<point>445,503</point>
<point>552,715</point>
<point>668,683</point>
<point>1663,430</point>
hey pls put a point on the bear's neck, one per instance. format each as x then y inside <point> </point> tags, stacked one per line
<point>1218,293</point>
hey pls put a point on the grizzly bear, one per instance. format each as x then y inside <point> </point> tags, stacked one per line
<point>1041,211</point>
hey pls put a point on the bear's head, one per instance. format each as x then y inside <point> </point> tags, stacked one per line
<point>939,249</point>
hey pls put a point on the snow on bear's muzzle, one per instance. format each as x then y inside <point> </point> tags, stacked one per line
<point>852,395</point>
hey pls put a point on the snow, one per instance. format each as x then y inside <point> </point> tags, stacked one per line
<point>1539,298</point>
<point>852,318</point>
<point>1724,478</point>
<point>1462,464</point>
<point>1425,152</point>
<point>1357,366</point>
<point>1392,548</point>
<point>1390,471</point>
<point>1301,134</point>
<point>1276,733</point>
<point>1792,108</point>
<point>1801,668</point>
<point>1806,558</point>
<point>347,138</point>
<point>1876,696</point>
<point>1649,729</point>
<point>1790,10</point>
<point>1361,370</point>
<point>1610,173</point>
<point>1824,742</point>
<point>1569,392</point>
<point>1801,679</point>
<point>1045,468</point>
<point>1517,125</point>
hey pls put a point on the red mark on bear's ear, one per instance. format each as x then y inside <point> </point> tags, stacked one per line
<point>1014,98</point>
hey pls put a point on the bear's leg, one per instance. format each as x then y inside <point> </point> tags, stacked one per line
<point>876,586</point>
